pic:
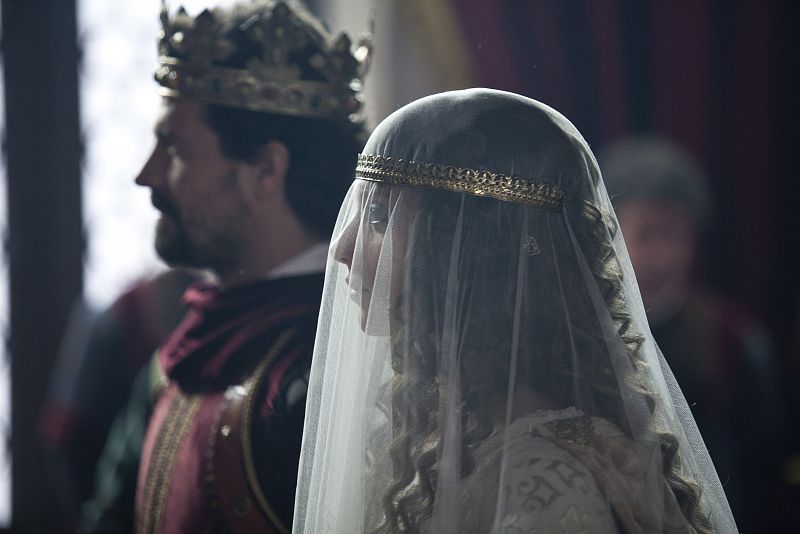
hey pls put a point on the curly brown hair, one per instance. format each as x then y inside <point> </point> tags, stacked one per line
<point>489,239</point>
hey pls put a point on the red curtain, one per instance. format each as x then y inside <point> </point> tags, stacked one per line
<point>713,76</point>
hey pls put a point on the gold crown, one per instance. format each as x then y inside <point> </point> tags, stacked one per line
<point>263,56</point>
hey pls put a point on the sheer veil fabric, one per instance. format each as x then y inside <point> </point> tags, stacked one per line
<point>483,362</point>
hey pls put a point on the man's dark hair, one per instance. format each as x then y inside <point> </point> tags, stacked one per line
<point>322,152</point>
<point>322,157</point>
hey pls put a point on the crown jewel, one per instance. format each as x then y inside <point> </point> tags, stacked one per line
<point>266,57</point>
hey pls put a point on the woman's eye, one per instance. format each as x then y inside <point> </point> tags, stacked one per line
<point>377,217</point>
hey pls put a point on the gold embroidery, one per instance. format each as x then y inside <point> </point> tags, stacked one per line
<point>178,420</point>
<point>470,181</point>
<point>574,430</point>
<point>247,412</point>
<point>144,518</point>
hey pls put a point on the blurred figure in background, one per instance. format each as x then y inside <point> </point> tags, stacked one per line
<point>99,359</point>
<point>722,359</point>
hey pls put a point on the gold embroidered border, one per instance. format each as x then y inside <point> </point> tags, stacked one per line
<point>459,180</point>
<point>144,517</point>
<point>247,413</point>
<point>178,420</point>
<point>576,430</point>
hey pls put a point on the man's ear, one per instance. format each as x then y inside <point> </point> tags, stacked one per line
<point>267,174</point>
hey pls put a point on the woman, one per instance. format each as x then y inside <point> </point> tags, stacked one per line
<point>483,363</point>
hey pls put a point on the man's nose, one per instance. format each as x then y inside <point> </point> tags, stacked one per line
<point>152,172</point>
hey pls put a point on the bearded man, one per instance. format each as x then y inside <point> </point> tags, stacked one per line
<point>255,151</point>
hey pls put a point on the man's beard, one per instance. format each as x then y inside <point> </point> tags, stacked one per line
<point>171,242</point>
<point>176,246</point>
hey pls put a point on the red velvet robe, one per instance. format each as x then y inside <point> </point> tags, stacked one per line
<point>268,328</point>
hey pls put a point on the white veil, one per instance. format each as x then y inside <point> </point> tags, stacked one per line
<point>483,362</point>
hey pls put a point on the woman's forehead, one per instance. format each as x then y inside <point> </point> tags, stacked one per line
<point>394,197</point>
<point>363,189</point>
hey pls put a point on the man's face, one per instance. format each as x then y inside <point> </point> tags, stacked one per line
<point>203,216</point>
<point>660,238</point>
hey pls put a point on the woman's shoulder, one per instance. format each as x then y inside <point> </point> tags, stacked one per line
<point>545,486</point>
<point>627,473</point>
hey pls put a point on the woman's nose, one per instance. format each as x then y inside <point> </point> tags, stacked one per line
<point>343,245</point>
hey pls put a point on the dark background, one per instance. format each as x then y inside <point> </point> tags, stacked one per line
<point>718,77</point>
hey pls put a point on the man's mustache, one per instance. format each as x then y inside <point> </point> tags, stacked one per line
<point>162,203</point>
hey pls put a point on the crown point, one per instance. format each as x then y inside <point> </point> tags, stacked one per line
<point>206,19</point>
<point>343,43</point>
<point>362,53</point>
<point>195,52</point>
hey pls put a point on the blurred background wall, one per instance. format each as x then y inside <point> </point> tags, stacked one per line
<point>718,77</point>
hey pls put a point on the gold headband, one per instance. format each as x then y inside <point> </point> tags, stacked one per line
<point>456,179</point>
